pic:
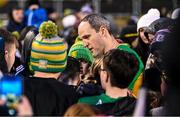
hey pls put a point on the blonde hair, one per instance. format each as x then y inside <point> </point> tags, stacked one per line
<point>93,72</point>
<point>81,110</point>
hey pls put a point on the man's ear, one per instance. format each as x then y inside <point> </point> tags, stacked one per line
<point>106,75</point>
<point>5,52</point>
<point>103,30</point>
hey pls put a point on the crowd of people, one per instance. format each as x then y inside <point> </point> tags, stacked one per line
<point>79,67</point>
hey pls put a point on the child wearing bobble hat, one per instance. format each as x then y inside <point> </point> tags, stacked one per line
<point>48,59</point>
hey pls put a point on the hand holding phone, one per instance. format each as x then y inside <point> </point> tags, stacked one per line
<point>11,92</point>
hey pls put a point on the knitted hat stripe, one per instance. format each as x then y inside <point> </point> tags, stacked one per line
<point>75,48</point>
<point>49,61</point>
<point>48,48</point>
<point>48,52</point>
<point>49,66</point>
<point>54,57</point>
<point>56,39</point>
<point>54,70</point>
<point>79,51</point>
<point>49,43</point>
<point>82,56</point>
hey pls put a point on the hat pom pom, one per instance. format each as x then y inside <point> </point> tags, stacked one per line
<point>48,29</point>
<point>154,12</point>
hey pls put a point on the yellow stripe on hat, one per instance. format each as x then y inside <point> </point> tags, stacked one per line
<point>50,40</point>
<point>50,66</point>
<point>38,46</point>
<point>52,57</point>
<point>131,35</point>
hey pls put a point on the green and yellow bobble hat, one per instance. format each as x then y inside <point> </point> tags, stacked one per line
<point>78,51</point>
<point>49,52</point>
<point>141,65</point>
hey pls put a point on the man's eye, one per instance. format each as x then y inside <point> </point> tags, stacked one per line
<point>86,36</point>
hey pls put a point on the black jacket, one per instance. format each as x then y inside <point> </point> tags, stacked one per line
<point>48,96</point>
<point>122,107</point>
<point>13,26</point>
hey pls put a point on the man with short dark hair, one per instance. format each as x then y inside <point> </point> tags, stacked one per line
<point>8,50</point>
<point>117,71</point>
<point>16,20</point>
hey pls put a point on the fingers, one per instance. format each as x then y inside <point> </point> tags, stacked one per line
<point>24,108</point>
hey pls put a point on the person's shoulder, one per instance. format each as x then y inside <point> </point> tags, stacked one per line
<point>52,83</point>
<point>38,82</point>
<point>121,107</point>
<point>83,99</point>
<point>90,99</point>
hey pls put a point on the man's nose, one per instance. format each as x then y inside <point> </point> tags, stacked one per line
<point>85,43</point>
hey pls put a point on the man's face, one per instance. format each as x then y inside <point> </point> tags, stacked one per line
<point>10,56</point>
<point>18,15</point>
<point>91,39</point>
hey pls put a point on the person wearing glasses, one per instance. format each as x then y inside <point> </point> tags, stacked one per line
<point>117,71</point>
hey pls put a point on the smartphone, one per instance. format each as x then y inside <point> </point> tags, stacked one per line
<point>11,89</point>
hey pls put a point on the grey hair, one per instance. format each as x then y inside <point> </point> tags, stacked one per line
<point>96,21</point>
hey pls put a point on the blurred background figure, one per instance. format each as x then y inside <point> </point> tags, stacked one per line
<point>3,3</point>
<point>69,32</point>
<point>129,34</point>
<point>176,14</point>
<point>85,10</point>
<point>16,20</point>
<point>52,14</point>
<point>35,14</point>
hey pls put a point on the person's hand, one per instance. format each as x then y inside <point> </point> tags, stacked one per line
<point>150,61</point>
<point>2,102</point>
<point>24,107</point>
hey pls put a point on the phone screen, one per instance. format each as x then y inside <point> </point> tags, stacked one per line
<point>11,90</point>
